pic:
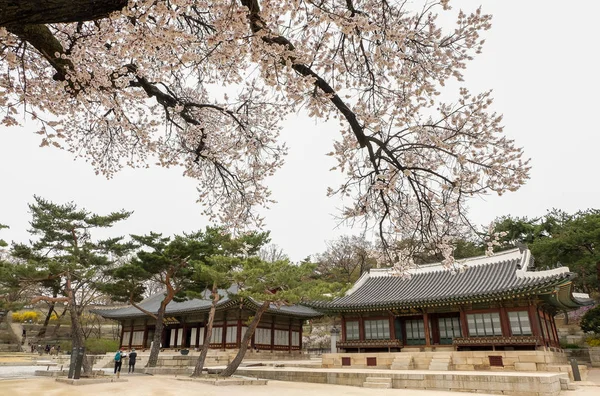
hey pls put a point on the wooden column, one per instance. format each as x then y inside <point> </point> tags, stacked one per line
<point>464,328</point>
<point>343,328</point>
<point>198,335</point>
<point>504,322</point>
<point>556,343</point>
<point>534,319</point>
<point>434,323</point>
<point>392,327</point>
<point>361,328</point>
<point>273,334</point>
<point>426,328</point>
<point>300,336</point>
<point>239,334</point>
<point>122,331</point>
<point>224,334</point>
<point>290,337</point>
<point>176,337</point>
<point>163,336</point>
<point>131,334</point>
<point>145,334</point>
<point>184,334</point>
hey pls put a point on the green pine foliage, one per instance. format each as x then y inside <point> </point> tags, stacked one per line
<point>590,322</point>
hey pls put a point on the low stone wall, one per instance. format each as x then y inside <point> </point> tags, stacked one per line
<point>496,383</point>
<point>463,360</point>
<point>595,356</point>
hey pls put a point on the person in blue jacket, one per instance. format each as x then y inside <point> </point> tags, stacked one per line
<point>118,362</point>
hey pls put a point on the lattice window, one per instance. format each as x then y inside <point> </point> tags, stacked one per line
<point>484,324</point>
<point>295,338</point>
<point>352,331</point>
<point>138,338</point>
<point>231,335</point>
<point>217,335</point>
<point>262,336</point>
<point>415,331</point>
<point>282,337</point>
<point>377,329</point>
<point>449,329</point>
<point>519,323</point>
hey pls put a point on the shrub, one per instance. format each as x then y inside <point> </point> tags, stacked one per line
<point>99,346</point>
<point>570,346</point>
<point>593,341</point>
<point>25,316</point>
<point>590,322</point>
<point>93,346</point>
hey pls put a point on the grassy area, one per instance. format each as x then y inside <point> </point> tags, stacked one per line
<point>93,346</point>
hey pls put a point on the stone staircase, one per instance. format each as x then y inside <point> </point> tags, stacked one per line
<point>377,383</point>
<point>403,362</point>
<point>441,362</point>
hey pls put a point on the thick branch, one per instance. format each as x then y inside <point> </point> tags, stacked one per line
<point>42,39</point>
<point>50,299</point>
<point>30,12</point>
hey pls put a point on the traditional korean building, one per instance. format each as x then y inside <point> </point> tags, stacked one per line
<point>502,302</point>
<point>280,328</point>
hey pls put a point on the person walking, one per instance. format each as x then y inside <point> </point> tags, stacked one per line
<point>132,358</point>
<point>118,362</point>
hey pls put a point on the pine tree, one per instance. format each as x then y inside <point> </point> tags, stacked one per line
<point>64,252</point>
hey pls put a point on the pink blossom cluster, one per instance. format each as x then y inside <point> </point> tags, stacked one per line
<point>203,86</point>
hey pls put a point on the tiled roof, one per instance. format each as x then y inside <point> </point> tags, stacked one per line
<point>191,306</point>
<point>505,274</point>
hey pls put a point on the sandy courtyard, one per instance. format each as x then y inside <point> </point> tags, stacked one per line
<point>166,386</point>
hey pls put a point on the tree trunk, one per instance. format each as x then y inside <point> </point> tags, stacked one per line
<point>55,331</point>
<point>158,329</point>
<point>207,336</point>
<point>77,336</point>
<point>34,12</point>
<point>42,331</point>
<point>235,363</point>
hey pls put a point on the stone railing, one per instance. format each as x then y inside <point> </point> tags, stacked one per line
<point>496,340</point>
<point>370,344</point>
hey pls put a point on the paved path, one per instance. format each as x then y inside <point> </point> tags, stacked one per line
<point>12,372</point>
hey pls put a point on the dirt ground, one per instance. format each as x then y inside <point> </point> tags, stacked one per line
<point>166,386</point>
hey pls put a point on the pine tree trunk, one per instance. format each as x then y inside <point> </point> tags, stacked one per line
<point>235,363</point>
<point>42,331</point>
<point>58,323</point>
<point>207,336</point>
<point>158,329</point>
<point>77,335</point>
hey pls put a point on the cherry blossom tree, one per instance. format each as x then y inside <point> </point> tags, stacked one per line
<point>204,85</point>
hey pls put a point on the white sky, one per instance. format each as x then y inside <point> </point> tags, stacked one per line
<point>540,59</point>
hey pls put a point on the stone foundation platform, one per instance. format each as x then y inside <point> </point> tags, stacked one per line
<point>530,384</point>
<point>226,381</point>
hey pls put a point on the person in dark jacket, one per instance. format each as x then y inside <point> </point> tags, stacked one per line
<point>132,358</point>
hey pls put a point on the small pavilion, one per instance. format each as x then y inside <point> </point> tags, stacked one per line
<point>280,328</point>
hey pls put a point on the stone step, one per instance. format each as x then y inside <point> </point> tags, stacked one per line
<point>441,362</point>
<point>381,380</point>
<point>403,363</point>
<point>377,385</point>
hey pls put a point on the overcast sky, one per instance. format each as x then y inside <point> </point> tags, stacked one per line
<point>540,58</point>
